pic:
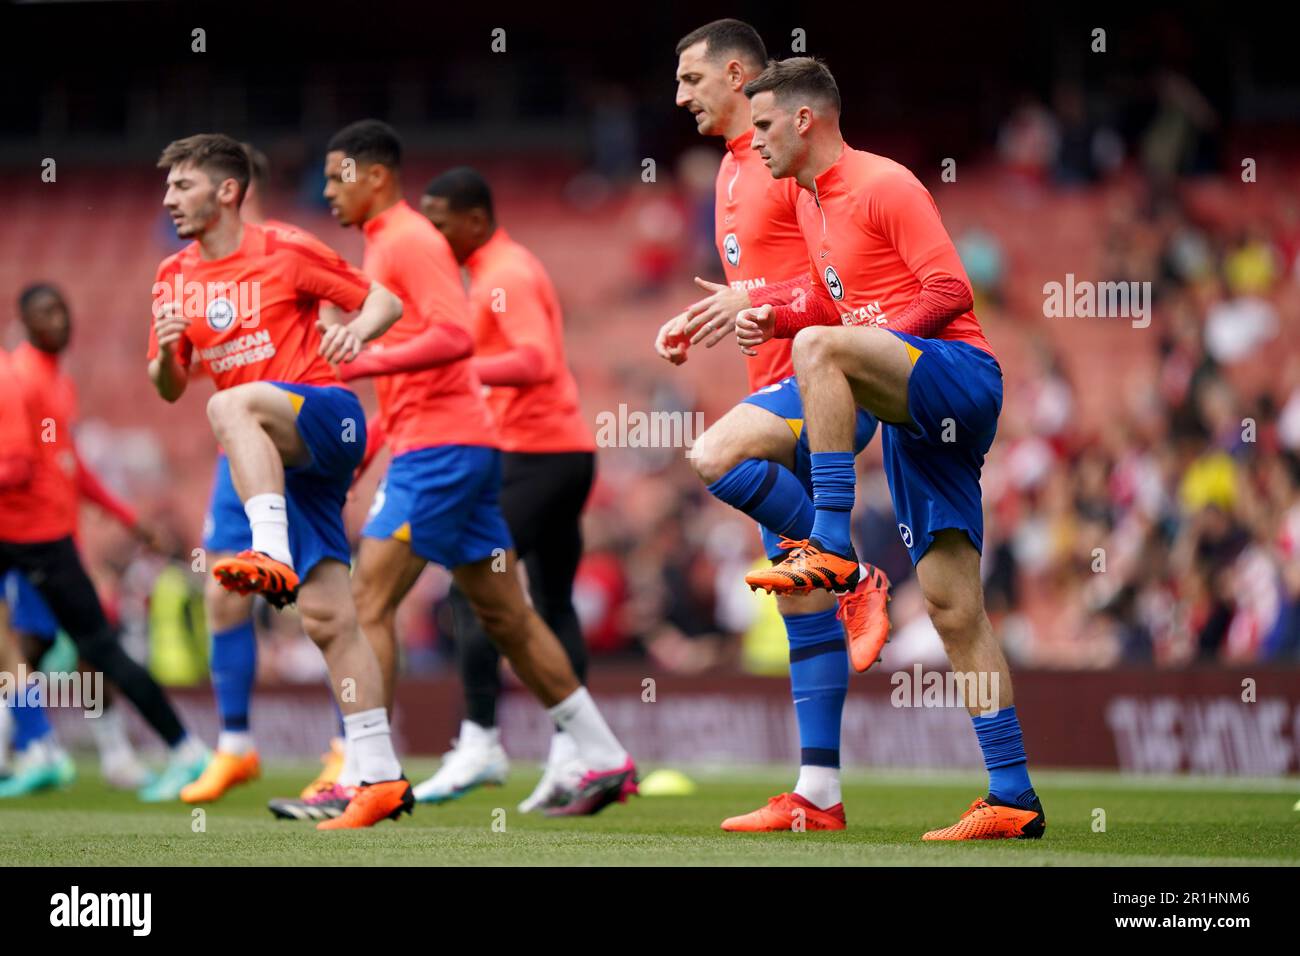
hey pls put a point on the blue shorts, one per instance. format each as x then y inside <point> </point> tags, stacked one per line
<point>443,501</point>
<point>782,399</point>
<point>333,427</point>
<point>954,396</point>
<point>28,612</point>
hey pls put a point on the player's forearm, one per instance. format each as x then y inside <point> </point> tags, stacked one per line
<point>520,366</point>
<point>169,377</point>
<point>379,312</point>
<point>440,344</point>
<point>810,310</point>
<point>941,299</point>
<point>779,293</point>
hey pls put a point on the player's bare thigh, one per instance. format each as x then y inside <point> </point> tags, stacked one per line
<point>746,431</point>
<point>386,571</point>
<point>875,362</point>
<point>268,406</point>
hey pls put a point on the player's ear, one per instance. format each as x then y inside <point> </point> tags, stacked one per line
<point>228,191</point>
<point>803,118</point>
<point>735,75</point>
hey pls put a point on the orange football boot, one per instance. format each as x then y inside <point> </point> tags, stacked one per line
<point>992,820</point>
<point>225,770</point>
<point>806,568</point>
<point>329,774</point>
<point>252,572</point>
<point>372,803</point>
<point>865,615</point>
<point>783,812</point>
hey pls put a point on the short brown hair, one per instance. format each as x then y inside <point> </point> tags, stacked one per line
<point>798,76</point>
<point>727,36</point>
<point>218,155</point>
<point>259,167</point>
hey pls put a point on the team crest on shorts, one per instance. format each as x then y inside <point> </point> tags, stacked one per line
<point>906,533</point>
<point>221,314</point>
<point>833,284</point>
<point>731,248</point>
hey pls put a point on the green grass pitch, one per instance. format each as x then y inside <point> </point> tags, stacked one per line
<point>1164,822</point>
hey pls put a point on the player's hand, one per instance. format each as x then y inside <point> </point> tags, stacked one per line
<point>712,318</point>
<point>169,325</point>
<point>338,343</point>
<point>754,327</point>
<point>330,314</point>
<point>671,343</point>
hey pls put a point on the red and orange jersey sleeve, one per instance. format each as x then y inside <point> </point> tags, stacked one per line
<point>164,287</point>
<point>904,211</point>
<point>319,271</point>
<point>17,442</point>
<point>522,317</point>
<point>430,277</point>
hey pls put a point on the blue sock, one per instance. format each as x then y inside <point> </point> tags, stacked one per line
<point>819,681</point>
<point>833,481</point>
<point>234,668</point>
<point>30,722</point>
<point>1004,756</point>
<point>770,494</point>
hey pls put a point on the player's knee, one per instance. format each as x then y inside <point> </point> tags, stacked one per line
<point>957,617</point>
<point>812,346</point>
<point>505,622</point>
<point>327,621</point>
<point>225,408</point>
<point>374,609</point>
<point>712,456</point>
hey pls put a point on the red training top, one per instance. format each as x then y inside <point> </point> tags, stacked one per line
<point>253,313</point>
<point>43,407</point>
<point>519,350</point>
<point>435,406</point>
<point>756,228</point>
<point>880,256</point>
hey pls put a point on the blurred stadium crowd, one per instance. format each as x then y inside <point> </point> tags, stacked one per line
<point>1142,497</point>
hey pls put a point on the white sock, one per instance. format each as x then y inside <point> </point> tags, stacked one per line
<point>188,748</point>
<point>368,735</point>
<point>820,786</point>
<point>270,523</point>
<point>236,742</point>
<point>597,745</point>
<point>563,749</point>
<point>109,731</point>
<point>43,750</point>
<point>478,735</point>
<point>350,775</point>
